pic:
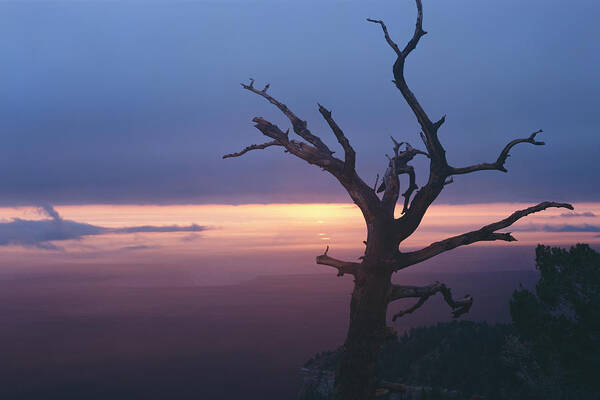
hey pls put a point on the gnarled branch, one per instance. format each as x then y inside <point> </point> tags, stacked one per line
<point>388,39</point>
<point>390,183</point>
<point>397,166</point>
<point>343,267</point>
<point>349,153</point>
<point>318,154</point>
<point>298,124</point>
<point>499,163</point>
<point>438,167</point>
<point>412,43</point>
<point>422,117</point>
<point>487,233</point>
<point>253,147</point>
<point>412,186</point>
<point>459,307</point>
<point>302,150</point>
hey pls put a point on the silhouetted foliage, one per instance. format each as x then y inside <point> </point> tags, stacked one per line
<point>560,322</point>
<point>461,356</point>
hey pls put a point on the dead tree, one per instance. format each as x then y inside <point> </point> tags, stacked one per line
<point>373,289</point>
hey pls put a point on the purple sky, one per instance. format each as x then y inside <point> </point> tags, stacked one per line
<point>135,102</point>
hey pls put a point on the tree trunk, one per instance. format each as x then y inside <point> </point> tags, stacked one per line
<point>355,376</point>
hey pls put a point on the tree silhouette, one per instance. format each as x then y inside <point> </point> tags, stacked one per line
<point>373,289</point>
<point>560,320</point>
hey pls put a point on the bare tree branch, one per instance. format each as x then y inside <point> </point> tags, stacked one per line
<point>298,124</point>
<point>349,153</point>
<point>408,223</point>
<point>427,195</point>
<point>376,181</point>
<point>398,70</point>
<point>390,183</point>
<point>412,43</point>
<point>499,163</point>
<point>399,165</point>
<point>302,150</point>
<point>412,186</point>
<point>459,307</point>
<point>343,267</point>
<point>388,39</point>
<point>438,169</point>
<point>487,233</point>
<point>317,153</point>
<point>253,147</point>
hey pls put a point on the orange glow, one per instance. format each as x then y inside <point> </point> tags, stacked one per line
<point>268,227</point>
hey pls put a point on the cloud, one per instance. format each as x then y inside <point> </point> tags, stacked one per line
<point>571,228</point>
<point>576,214</point>
<point>48,246</point>
<point>48,210</point>
<point>190,238</point>
<point>138,247</point>
<point>150,228</point>
<point>557,228</point>
<point>40,233</point>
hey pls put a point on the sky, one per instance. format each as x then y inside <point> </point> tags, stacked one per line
<point>214,244</point>
<point>125,237</point>
<point>132,102</point>
<point>114,116</point>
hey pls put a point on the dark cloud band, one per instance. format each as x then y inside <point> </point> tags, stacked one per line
<point>41,233</point>
<point>580,214</point>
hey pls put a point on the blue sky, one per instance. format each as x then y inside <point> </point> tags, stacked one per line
<point>135,102</point>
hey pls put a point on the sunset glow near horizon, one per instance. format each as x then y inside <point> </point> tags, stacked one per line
<point>264,228</point>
